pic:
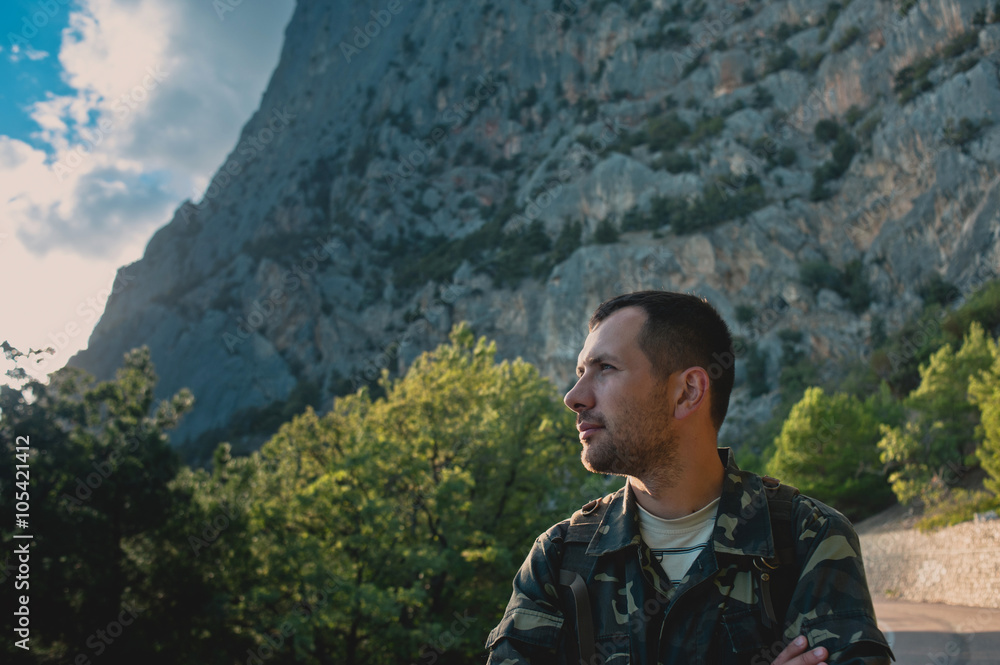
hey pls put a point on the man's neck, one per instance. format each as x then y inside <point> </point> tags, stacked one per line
<point>699,483</point>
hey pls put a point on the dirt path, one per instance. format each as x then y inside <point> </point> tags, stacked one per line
<point>932,634</point>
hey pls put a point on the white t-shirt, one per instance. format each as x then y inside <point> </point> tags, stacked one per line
<point>677,543</point>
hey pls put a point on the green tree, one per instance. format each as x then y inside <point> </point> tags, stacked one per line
<point>194,570</point>
<point>827,448</point>
<point>399,522</point>
<point>984,389</point>
<point>100,465</point>
<point>936,445</point>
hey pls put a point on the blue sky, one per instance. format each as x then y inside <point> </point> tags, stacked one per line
<point>112,112</point>
<point>24,80</point>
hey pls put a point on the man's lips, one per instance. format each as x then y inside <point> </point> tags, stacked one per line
<point>588,429</point>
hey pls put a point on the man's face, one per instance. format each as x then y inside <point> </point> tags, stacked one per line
<point>624,415</point>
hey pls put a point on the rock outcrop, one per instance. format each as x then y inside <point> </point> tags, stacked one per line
<point>411,163</point>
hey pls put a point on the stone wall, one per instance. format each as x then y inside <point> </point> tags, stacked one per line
<point>958,565</point>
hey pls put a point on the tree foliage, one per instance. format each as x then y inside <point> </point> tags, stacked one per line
<point>937,444</point>
<point>100,466</point>
<point>984,389</point>
<point>412,512</point>
<point>827,448</point>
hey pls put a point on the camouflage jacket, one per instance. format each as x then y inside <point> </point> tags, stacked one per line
<point>713,615</point>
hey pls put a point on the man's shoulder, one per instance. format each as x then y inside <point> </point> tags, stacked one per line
<point>812,514</point>
<point>807,512</point>
<point>581,525</point>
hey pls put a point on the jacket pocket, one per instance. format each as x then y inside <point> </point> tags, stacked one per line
<point>613,649</point>
<point>527,627</point>
<point>748,639</point>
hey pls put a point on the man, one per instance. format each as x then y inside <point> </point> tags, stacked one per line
<point>678,566</point>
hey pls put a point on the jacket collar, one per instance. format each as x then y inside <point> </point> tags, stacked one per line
<point>742,525</point>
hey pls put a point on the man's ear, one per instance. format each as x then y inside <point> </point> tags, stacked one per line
<point>690,392</point>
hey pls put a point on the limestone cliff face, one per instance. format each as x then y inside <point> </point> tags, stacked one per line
<point>387,186</point>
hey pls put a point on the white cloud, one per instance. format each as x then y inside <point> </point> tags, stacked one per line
<point>160,94</point>
<point>161,91</point>
<point>31,53</point>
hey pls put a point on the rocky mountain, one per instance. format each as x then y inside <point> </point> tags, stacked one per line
<point>805,166</point>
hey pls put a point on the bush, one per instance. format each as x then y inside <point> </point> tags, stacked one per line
<point>515,259</point>
<point>783,59</point>
<point>638,8</point>
<point>850,284</point>
<point>606,232</point>
<point>827,448</point>
<point>810,63</point>
<point>666,132</point>
<point>784,30</point>
<point>843,152</point>
<point>912,80</point>
<point>707,127</point>
<point>958,135</point>
<point>937,290</point>
<point>568,240</point>
<point>936,446</point>
<point>786,156</point>
<point>675,162</point>
<point>762,98</point>
<point>950,507</point>
<point>745,313</point>
<point>984,391</point>
<point>867,128</point>
<point>756,363</point>
<point>961,44</point>
<point>847,38</point>
<point>721,201</point>
<point>826,130</point>
<point>818,275</point>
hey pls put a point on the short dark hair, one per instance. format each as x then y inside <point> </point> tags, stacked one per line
<point>682,331</point>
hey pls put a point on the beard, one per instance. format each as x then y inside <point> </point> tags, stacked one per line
<point>641,442</point>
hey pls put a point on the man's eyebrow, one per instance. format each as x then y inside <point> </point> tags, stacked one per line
<point>597,360</point>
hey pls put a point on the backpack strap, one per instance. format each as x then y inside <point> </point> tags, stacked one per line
<point>779,574</point>
<point>577,567</point>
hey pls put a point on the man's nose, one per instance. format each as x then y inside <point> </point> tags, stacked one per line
<point>579,398</point>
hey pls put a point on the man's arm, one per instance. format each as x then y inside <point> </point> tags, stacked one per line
<point>832,606</point>
<point>531,626</point>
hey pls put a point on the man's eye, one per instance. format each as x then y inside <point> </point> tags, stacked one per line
<point>606,366</point>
